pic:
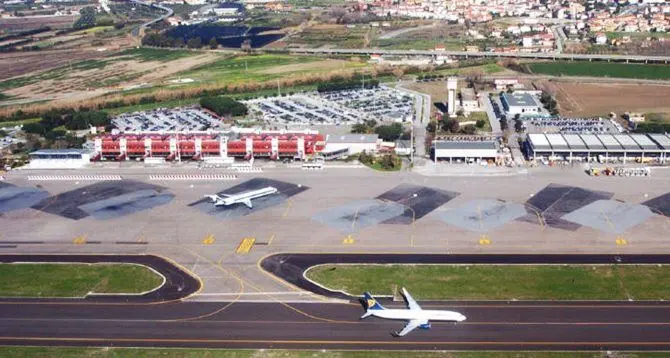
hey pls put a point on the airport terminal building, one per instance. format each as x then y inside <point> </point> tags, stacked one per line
<point>599,147</point>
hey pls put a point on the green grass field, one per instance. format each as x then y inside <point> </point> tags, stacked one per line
<point>601,69</point>
<point>63,352</point>
<point>497,282</point>
<point>74,280</point>
<point>253,68</point>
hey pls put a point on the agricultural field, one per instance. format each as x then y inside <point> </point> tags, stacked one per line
<point>599,99</point>
<point>334,36</point>
<point>88,78</point>
<point>601,69</point>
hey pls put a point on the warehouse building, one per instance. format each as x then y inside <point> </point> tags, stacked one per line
<point>354,143</point>
<point>599,147</point>
<point>453,150</point>
<point>522,103</point>
<point>59,159</point>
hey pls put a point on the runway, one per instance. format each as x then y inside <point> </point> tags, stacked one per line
<point>490,325</point>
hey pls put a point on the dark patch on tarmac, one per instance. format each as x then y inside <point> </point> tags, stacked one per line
<point>660,205</point>
<point>286,190</point>
<point>14,197</point>
<point>426,200</point>
<point>178,283</point>
<point>105,200</point>
<point>555,200</point>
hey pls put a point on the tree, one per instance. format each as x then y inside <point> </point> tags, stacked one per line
<point>389,133</point>
<point>195,42</point>
<point>469,129</point>
<point>86,18</point>
<point>480,123</point>
<point>431,127</point>
<point>518,126</point>
<point>450,125</point>
<point>388,162</point>
<point>359,128</point>
<point>224,106</point>
<point>213,44</point>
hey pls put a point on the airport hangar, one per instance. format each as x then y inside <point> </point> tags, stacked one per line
<point>588,147</point>
<point>486,149</point>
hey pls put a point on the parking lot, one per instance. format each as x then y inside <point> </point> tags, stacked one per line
<point>301,109</point>
<point>178,119</point>
<point>382,104</point>
<point>593,125</point>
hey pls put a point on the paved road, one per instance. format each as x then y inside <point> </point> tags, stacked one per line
<point>423,106</point>
<point>490,325</point>
<point>548,56</point>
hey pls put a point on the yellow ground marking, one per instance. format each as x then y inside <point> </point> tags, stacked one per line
<point>209,239</point>
<point>621,241</point>
<point>288,207</point>
<point>348,240</point>
<point>411,240</point>
<point>271,239</point>
<point>79,240</point>
<point>245,245</point>
<point>484,240</point>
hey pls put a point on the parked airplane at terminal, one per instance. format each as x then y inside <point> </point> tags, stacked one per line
<point>414,315</point>
<point>243,198</point>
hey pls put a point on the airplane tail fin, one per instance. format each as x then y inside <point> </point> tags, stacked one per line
<point>370,304</point>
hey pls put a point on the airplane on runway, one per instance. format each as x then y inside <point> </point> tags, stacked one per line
<point>243,198</point>
<point>414,315</point>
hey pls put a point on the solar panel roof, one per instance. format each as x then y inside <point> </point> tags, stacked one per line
<point>592,142</point>
<point>609,142</point>
<point>539,141</point>
<point>627,142</point>
<point>662,140</point>
<point>557,142</point>
<point>644,142</point>
<point>574,141</point>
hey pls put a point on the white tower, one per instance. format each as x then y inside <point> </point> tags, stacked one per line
<point>451,100</point>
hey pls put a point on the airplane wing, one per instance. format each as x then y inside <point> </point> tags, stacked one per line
<point>247,202</point>
<point>410,326</point>
<point>411,303</point>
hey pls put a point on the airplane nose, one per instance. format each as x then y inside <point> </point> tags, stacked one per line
<point>461,318</point>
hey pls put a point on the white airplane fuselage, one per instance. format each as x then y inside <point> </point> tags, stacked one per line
<point>242,198</point>
<point>430,315</point>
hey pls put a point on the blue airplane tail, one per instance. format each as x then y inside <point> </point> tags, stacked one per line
<point>371,303</point>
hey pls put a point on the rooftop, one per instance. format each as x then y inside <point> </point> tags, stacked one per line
<point>485,144</point>
<point>520,99</point>
<point>352,138</point>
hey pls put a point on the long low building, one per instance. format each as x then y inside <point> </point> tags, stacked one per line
<point>598,147</point>
<point>455,150</point>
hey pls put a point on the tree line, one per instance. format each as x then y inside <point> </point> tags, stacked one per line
<point>342,85</point>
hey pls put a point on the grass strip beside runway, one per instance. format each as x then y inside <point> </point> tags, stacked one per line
<point>74,280</point>
<point>63,352</point>
<point>501,282</point>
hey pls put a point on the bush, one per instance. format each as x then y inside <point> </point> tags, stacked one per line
<point>224,106</point>
<point>480,123</point>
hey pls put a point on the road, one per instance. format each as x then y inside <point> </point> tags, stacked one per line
<point>464,54</point>
<point>503,325</point>
<point>500,325</point>
<point>423,106</point>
